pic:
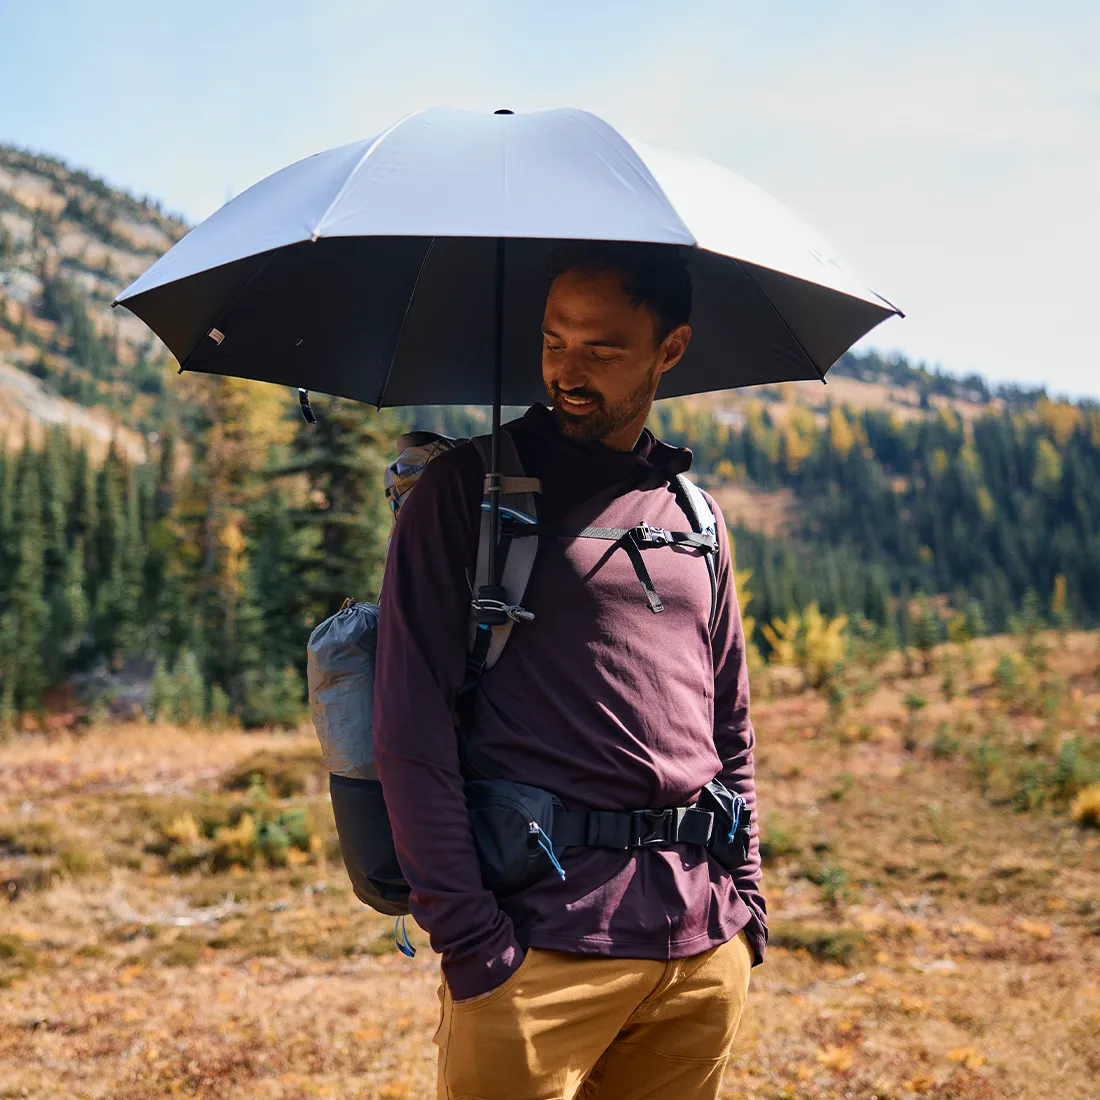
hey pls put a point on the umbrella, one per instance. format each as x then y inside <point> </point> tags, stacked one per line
<point>410,268</point>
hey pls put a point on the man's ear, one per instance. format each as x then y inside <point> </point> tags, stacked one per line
<point>673,347</point>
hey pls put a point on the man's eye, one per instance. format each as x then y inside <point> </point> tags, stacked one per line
<point>604,359</point>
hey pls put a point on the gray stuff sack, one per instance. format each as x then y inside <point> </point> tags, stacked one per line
<point>340,670</point>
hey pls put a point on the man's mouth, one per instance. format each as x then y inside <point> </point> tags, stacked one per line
<point>576,404</point>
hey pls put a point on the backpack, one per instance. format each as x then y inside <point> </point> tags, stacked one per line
<point>519,830</point>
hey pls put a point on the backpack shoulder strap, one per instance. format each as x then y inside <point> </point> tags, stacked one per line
<point>517,556</point>
<point>701,517</point>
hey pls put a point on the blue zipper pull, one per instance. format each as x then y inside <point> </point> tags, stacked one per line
<point>544,843</point>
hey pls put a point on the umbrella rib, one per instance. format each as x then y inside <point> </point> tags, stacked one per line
<point>359,164</point>
<point>782,320</point>
<point>404,319</point>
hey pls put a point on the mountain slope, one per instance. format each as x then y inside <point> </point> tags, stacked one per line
<point>68,244</point>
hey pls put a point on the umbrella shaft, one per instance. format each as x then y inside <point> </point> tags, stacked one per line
<point>498,388</point>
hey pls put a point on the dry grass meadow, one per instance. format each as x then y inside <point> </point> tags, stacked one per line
<point>177,921</point>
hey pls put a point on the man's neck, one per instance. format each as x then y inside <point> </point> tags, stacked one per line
<point>626,439</point>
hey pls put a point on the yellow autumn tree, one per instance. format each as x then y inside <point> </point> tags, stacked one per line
<point>1059,417</point>
<point>799,436</point>
<point>1048,467</point>
<point>809,641</point>
<point>242,422</point>
<point>841,436</point>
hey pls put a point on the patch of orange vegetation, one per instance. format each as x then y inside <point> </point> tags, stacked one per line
<point>771,513</point>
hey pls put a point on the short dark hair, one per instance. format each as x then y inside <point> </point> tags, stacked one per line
<point>654,276</point>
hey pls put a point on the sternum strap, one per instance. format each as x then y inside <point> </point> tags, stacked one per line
<point>633,540</point>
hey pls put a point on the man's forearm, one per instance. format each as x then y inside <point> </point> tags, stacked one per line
<point>436,852</point>
<point>738,774</point>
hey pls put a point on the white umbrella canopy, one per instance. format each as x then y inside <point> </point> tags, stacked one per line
<point>370,271</point>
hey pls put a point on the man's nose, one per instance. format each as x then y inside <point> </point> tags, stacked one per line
<point>573,374</point>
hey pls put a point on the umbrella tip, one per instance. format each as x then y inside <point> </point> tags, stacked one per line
<point>504,111</point>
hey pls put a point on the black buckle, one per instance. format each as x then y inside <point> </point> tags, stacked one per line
<point>646,536</point>
<point>649,828</point>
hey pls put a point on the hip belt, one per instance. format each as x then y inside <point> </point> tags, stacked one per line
<point>519,830</point>
<point>632,828</point>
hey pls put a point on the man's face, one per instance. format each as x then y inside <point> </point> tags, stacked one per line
<point>601,361</point>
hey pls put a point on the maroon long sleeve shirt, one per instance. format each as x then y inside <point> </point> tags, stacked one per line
<point>599,700</point>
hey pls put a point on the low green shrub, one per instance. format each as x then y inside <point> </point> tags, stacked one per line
<point>281,775</point>
<point>944,745</point>
<point>16,958</point>
<point>259,837</point>
<point>838,945</point>
<point>778,840</point>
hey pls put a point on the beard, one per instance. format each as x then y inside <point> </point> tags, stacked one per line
<point>606,418</point>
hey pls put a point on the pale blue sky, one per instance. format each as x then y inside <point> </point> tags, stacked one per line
<point>951,150</point>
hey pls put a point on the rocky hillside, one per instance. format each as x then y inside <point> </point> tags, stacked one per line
<point>68,244</point>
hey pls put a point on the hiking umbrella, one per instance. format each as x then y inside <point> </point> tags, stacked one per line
<point>409,269</point>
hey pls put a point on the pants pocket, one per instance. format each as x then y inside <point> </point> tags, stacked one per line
<point>441,993</point>
<point>501,1046</point>
<point>469,1003</point>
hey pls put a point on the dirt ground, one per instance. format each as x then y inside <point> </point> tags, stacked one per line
<point>177,921</point>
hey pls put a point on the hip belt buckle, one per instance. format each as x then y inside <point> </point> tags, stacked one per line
<point>650,828</point>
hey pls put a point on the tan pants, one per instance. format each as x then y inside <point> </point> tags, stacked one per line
<point>582,1027</point>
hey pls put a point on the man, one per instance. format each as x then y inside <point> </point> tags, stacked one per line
<point>626,979</point>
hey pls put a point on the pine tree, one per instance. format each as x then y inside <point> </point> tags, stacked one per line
<point>110,548</point>
<point>55,460</point>
<point>7,520</point>
<point>68,616</point>
<point>275,589</point>
<point>343,456</point>
<point>22,619</point>
<point>190,690</point>
<point>162,693</point>
<point>84,514</point>
<point>128,610</point>
<point>926,630</point>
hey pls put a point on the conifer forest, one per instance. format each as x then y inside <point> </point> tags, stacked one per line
<point>215,558</point>
<point>215,528</point>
